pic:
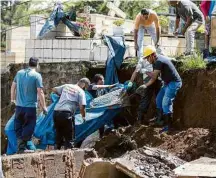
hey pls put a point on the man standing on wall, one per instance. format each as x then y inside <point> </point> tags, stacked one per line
<point>146,21</point>
<point>172,82</point>
<point>25,89</point>
<point>64,122</point>
<point>193,18</point>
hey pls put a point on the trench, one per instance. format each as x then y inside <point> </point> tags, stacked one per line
<point>194,113</point>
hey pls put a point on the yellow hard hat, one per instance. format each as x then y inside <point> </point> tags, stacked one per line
<point>148,50</point>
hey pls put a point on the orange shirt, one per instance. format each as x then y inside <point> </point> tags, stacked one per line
<point>140,21</point>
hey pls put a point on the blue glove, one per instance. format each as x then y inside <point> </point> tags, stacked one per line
<point>129,85</point>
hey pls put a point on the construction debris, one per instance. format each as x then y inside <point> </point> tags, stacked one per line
<point>141,163</point>
<point>203,167</point>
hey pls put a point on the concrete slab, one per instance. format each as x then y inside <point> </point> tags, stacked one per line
<point>203,167</point>
<point>49,164</point>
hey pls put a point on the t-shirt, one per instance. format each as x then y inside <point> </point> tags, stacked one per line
<point>140,20</point>
<point>71,96</point>
<point>168,70</point>
<point>27,81</point>
<point>144,67</point>
<point>94,91</point>
<point>186,8</point>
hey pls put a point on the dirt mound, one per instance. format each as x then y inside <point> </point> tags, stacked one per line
<point>188,144</point>
<point>191,143</point>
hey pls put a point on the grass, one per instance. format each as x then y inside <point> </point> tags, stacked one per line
<point>192,62</point>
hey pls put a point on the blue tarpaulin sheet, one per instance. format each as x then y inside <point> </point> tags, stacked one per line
<point>117,50</point>
<point>100,111</point>
<point>52,22</point>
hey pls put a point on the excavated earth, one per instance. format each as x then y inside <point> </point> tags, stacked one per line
<point>187,144</point>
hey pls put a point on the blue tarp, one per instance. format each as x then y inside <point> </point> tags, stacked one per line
<point>117,50</point>
<point>52,22</point>
<point>99,113</point>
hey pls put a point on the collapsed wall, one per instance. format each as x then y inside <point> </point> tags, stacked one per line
<point>51,164</point>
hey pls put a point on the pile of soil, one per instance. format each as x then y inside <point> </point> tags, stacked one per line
<point>191,144</point>
<point>187,144</point>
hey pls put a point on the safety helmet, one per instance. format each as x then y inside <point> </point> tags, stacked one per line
<point>148,50</point>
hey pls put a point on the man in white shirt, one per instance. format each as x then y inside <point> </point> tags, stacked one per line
<point>71,96</point>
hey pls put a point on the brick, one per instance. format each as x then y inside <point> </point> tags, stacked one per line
<point>47,53</point>
<point>38,44</point>
<point>47,44</point>
<point>104,53</point>
<point>66,54</point>
<point>97,53</point>
<point>39,53</point>
<point>75,53</point>
<point>85,44</point>
<point>57,44</point>
<point>85,54</point>
<point>75,44</point>
<point>56,53</point>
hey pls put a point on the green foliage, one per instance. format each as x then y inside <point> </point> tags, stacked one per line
<point>164,21</point>
<point>130,63</point>
<point>118,22</point>
<point>193,62</point>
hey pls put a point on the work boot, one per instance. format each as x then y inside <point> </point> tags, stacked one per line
<point>141,118</point>
<point>158,119</point>
<point>168,120</point>
<point>21,146</point>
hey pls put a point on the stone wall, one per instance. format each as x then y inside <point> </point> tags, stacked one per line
<point>50,164</point>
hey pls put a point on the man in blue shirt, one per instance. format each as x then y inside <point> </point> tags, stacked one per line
<point>172,82</point>
<point>25,89</point>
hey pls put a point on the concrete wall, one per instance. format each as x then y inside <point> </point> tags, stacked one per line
<point>52,164</point>
<point>15,42</point>
<point>65,50</point>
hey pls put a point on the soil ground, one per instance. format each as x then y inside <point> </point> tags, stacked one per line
<point>187,144</point>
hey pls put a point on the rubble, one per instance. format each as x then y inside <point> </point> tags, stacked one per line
<point>142,163</point>
<point>50,164</point>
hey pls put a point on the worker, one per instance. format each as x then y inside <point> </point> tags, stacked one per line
<point>64,122</point>
<point>146,20</point>
<point>25,89</point>
<point>97,88</point>
<point>172,82</point>
<point>146,94</point>
<point>193,18</point>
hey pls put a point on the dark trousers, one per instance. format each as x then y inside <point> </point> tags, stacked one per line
<point>147,95</point>
<point>25,121</point>
<point>65,128</point>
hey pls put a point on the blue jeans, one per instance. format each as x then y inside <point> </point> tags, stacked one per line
<point>166,96</point>
<point>25,121</point>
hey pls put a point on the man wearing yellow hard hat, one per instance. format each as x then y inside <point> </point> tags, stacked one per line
<point>172,82</point>
<point>145,68</point>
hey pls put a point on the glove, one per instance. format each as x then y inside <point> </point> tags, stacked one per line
<point>45,111</point>
<point>129,85</point>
